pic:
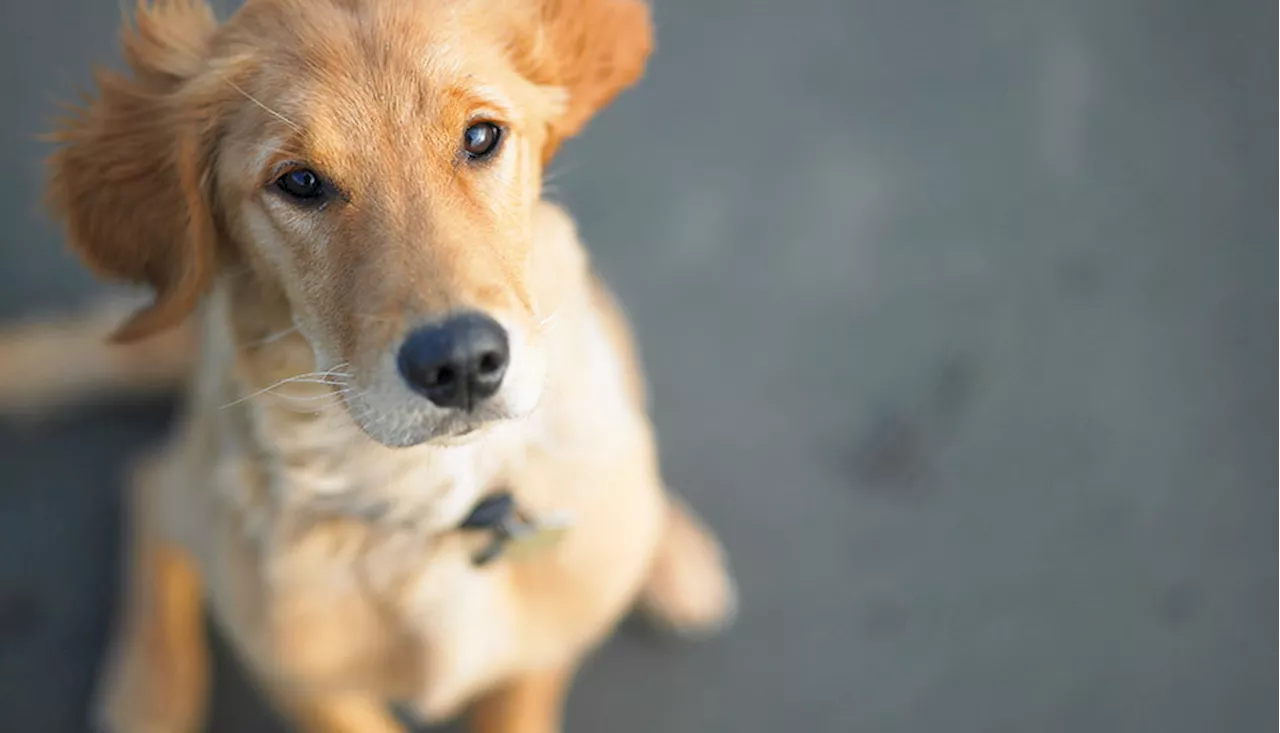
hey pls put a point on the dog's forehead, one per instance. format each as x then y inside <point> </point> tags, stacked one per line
<point>333,40</point>
<point>338,67</point>
<point>343,80</point>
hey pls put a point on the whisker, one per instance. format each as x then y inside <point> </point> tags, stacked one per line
<point>334,369</point>
<point>306,378</point>
<point>330,395</point>
<point>268,148</point>
<point>240,271</point>
<point>268,390</point>
<point>313,410</point>
<point>548,324</point>
<point>313,404</point>
<point>552,175</point>
<point>269,339</point>
<point>267,109</point>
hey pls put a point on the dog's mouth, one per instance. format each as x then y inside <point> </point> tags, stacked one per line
<point>463,435</point>
<point>464,428</point>
<point>404,419</point>
<point>395,431</point>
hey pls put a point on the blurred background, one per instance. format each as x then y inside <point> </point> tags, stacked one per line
<point>958,321</point>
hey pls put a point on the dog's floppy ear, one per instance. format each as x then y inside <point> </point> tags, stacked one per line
<point>130,176</point>
<point>590,50</point>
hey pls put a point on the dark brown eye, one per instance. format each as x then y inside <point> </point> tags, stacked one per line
<point>481,140</point>
<point>301,184</point>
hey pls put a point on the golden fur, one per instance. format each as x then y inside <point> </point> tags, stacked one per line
<point>309,497</point>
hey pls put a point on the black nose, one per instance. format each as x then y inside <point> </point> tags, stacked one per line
<point>456,363</point>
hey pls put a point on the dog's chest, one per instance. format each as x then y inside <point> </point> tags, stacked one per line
<point>349,574</point>
<point>341,606</point>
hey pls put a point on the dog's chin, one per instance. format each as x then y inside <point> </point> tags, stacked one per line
<point>409,428</point>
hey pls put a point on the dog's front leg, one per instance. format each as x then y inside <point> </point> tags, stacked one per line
<point>337,713</point>
<point>532,703</point>
<point>156,677</point>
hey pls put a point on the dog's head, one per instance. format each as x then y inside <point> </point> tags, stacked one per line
<point>377,161</point>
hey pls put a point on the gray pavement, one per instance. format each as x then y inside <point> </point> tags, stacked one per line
<point>958,320</point>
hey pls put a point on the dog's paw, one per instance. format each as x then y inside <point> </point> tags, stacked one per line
<point>689,590</point>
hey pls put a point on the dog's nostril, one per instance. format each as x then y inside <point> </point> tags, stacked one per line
<point>443,376</point>
<point>457,363</point>
<point>490,363</point>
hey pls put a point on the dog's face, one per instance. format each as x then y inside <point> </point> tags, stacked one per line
<point>386,180</point>
<point>377,161</point>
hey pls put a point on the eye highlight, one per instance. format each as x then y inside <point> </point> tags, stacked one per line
<point>481,140</point>
<point>302,184</point>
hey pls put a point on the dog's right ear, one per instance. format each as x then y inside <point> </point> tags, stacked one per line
<point>131,174</point>
<point>588,50</point>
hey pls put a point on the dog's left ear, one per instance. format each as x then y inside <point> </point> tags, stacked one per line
<point>589,49</point>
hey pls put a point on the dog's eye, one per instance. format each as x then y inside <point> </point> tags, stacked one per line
<point>301,184</point>
<point>481,139</point>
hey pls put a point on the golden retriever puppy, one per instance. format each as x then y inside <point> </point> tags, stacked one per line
<point>415,466</point>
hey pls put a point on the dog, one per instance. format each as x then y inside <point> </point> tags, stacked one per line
<point>415,465</point>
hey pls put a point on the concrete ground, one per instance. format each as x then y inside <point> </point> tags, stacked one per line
<point>958,320</point>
